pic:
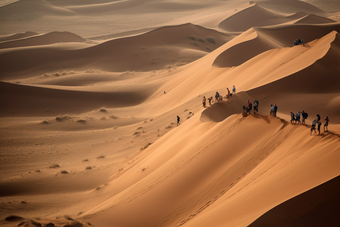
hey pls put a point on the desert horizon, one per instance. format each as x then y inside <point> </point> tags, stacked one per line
<point>145,113</point>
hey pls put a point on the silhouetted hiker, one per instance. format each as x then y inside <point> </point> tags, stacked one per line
<point>217,96</point>
<point>318,117</point>
<point>292,117</point>
<point>256,106</point>
<point>304,116</point>
<point>250,107</point>
<point>271,109</point>
<point>244,111</point>
<point>209,99</point>
<point>319,125</point>
<point>275,110</point>
<point>297,117</point>
<point>228,93</point>
<point>234,89</point>
<point>203,101</point>
<point>313,127</point>
<point>178,120</point>
<point>325,126</point>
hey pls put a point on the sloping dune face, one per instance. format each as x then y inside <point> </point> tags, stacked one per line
<point>153,50</point>
<point>127,131</point>
<point>36,40</point>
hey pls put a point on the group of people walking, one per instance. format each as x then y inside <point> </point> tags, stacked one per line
<point>218,97</point>
<point>317,122</point>
<point>247,109</point>
<point>298,118</point>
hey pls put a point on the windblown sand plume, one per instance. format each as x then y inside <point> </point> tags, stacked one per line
<point>110,114</point>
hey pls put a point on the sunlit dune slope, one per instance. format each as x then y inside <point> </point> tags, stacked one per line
<point>269,38</point>
<point>207,180</point>
<point>292,71</point>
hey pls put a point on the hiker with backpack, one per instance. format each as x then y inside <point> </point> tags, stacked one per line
<point>297,117</point>
<point>178,120</point>
<point>313,127</point>
<point>292,117</point>
<point>204,101</point>
<point>304,116</point>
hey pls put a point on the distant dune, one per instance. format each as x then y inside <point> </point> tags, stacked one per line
<point>36,40</point>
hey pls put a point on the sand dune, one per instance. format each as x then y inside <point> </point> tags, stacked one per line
<point>157,49</point>
<point>17,36</point>
<point>89,131</point>
<point>272,37</point>
<point>254,15</point>
<point>31,9</point>
<point>314,19</point>
<point>31,100</point>
<point>50,38</point>
<point>307,207</point>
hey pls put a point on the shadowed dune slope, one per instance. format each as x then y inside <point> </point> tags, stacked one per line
<point>49,38</point>
<point>254,15</point>
<point>153,50</point>
<point>306,208</point>
<point>28,100</point>
<point>31,9</point>
<point>17,36</point>
<point>269,38</point>
<point>292,6</point>
<point>314,19</point>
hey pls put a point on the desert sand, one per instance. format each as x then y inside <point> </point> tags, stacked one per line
<point>91,91</point>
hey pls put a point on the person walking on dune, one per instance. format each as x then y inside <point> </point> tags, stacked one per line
<point>209,99</point>
<point>271,109</point>
<point>275,110</point>
<point>297,117</point>
<point>250,107</point>
<point>313,127</point>
<point>256,106</point>
<point>325,126</point>
<point>292,117</point>
<point>204,101</point>
<point>228,93</point>
<point>319,126</point>
<point>318,118</point>
<point>217,96</point>
<point>178,120</point>
<point>304,116</point>
<point>234,90</point>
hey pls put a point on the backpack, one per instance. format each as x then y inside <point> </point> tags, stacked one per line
<point>306,115</point>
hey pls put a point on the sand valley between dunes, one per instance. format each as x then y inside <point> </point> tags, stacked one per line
<point>90,94</point>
